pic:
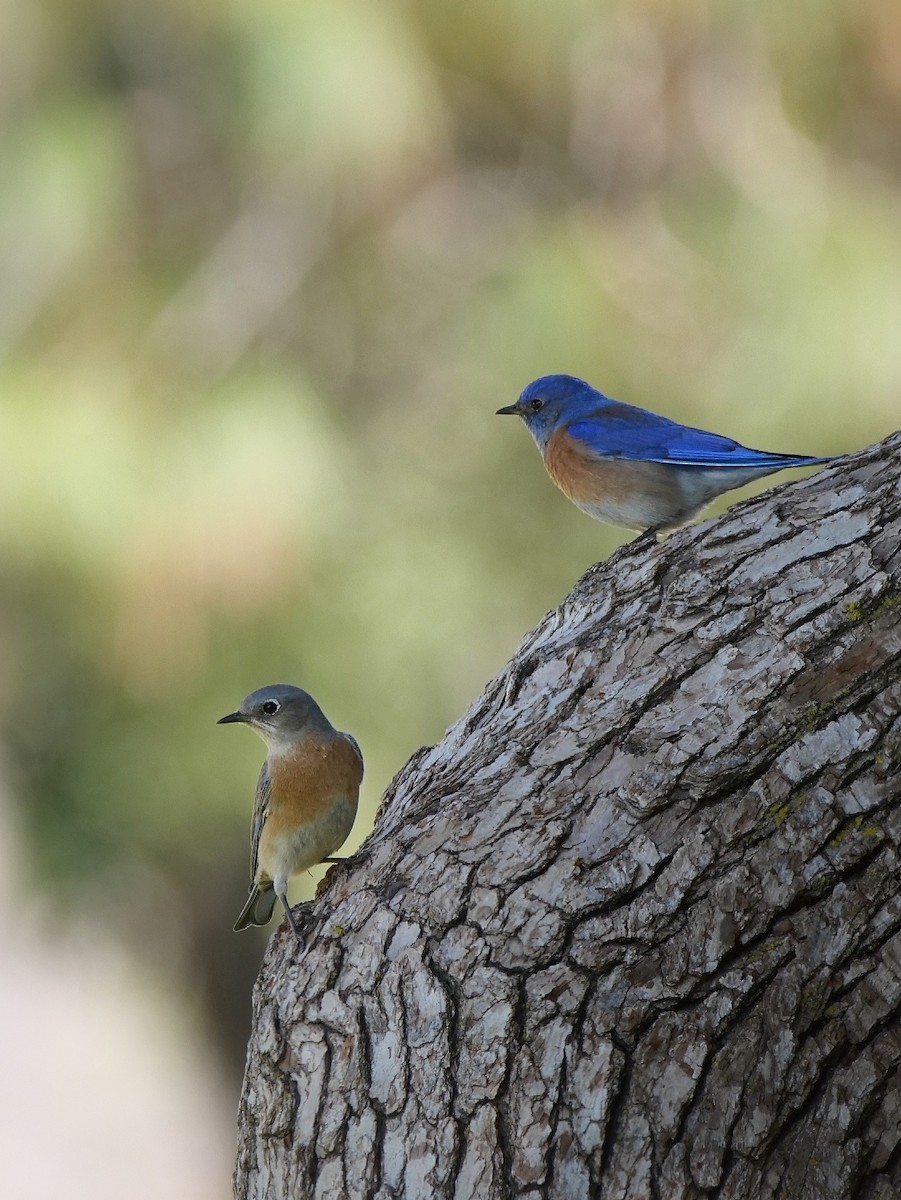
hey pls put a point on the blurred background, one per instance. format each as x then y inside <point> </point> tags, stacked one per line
<point>267,268</point>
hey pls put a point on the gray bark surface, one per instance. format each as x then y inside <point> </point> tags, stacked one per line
<point>633,928</point>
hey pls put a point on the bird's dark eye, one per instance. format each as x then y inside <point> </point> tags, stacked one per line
<point>536,404</point>
<point>270,707</point>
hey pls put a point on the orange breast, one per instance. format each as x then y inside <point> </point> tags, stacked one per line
<point>574,475</point>
<point>308,780</point>
<point>622,491</point>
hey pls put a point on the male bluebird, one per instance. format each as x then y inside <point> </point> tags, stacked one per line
<point>627,466</point>
<point>306,797</point>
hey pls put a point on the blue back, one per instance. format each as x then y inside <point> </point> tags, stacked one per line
<point>610,429</point>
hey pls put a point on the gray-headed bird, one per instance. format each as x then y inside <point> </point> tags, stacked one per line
<point>306,798</point>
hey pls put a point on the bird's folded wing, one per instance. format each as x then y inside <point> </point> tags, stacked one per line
<point>622,431</point>
<point>260,812</point>
<point>356,745</point>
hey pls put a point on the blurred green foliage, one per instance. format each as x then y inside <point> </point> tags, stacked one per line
<point>266,271</point>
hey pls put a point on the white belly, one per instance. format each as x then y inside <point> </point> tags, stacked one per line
<point>288,854</point>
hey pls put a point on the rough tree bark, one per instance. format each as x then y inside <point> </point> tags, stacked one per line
<point>633,928</point>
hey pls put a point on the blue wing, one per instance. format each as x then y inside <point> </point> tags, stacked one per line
<point>623,431</point>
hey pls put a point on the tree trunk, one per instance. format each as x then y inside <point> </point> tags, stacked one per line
<point>632,928</point>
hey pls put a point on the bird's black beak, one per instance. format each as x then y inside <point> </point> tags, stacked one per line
<point>231,718</point>
<point>510,411</point>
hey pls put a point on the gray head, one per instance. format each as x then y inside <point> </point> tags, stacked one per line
<point>278,713</point>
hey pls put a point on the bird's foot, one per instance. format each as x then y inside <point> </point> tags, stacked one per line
<point>294,929</point>
<point>647,537</point>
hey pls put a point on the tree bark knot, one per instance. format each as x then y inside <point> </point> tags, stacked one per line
<point>633,928</point>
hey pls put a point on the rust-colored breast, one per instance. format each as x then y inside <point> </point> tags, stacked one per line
<point>621,487</point>
<point>309,779</point>
<point>573,473</point>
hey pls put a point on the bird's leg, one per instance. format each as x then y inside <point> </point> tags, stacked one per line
<point>331,858</point>
<point>283,896</point>
<point>647,537</point>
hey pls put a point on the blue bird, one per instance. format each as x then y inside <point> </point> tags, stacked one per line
<point>627,466</point>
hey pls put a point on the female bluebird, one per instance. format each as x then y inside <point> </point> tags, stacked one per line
<point>627,466</point>
<point>306,797</point>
